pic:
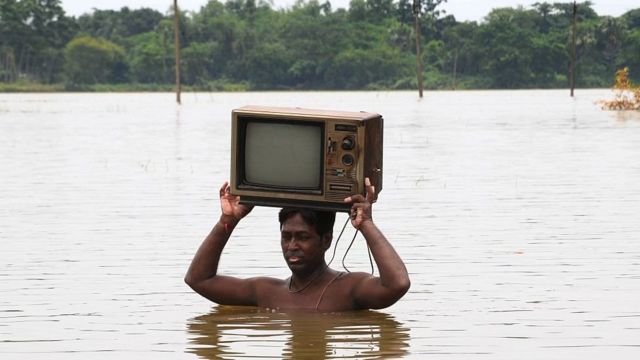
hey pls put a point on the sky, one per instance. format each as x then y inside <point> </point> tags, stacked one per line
<point>463,10</point>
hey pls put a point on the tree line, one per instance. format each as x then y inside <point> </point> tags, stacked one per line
<point>248,44</point>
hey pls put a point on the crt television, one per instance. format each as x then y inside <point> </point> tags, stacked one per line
<point>303,157</point>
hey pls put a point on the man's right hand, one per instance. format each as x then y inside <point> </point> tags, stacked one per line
<point>230,204</point>
<point>202,275</point>
<point>361,205</point>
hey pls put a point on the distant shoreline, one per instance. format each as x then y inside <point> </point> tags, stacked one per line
<point>153,88</point>
<point>61,87</point>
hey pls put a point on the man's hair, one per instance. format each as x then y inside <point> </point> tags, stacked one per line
<point>322,220</point>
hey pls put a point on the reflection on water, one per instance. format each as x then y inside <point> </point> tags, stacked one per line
<point>239,332</point>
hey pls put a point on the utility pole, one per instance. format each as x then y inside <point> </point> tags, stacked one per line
<point>176,35</point>
<point>417,5</point>
<point>164,56</point>
<point>572,69</point>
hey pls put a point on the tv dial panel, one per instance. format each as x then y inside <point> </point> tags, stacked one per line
<point>342,155</point>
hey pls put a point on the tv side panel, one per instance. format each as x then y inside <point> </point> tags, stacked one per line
<point>374,128</point>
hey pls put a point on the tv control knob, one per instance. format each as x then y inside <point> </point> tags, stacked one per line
<point>347,160</point>
<point>348,143</point>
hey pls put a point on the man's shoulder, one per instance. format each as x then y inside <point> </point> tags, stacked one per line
<point>267,281</point>
<point>340,295</point>
<point>356,274</point>
<point>353,278</point>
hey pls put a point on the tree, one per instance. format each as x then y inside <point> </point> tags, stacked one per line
<point>94,60</point>
<point>116,25</point>
<point>629,53</point>
<point>372,44</point>
<point>609,35</point>
<point>197,62</point>
<point>507,37</point>
<point>632,19</point>
<point>430,13</point>
<point>313,37</point>
<point>30,33</point>
<point>404,12</point>
<point>268,66</point>
<point>461,53</point>
<point>359,68</point>
<point>585,11</point>
<point>147,58</point>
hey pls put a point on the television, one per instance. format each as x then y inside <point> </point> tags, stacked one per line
<point>304,157</point>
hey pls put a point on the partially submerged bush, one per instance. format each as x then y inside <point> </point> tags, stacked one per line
<point>627,95</point>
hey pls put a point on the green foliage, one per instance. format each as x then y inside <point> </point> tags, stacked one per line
<point>32,33</point>
<point>247,44</point>
<point>197,61</point>
<point>118,25</point>
<point>630,53</point>
<point>94,60</point>
<point>357,68</point>
<point>150,59</point>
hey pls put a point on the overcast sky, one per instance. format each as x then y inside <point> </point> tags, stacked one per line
<point>461,9</point>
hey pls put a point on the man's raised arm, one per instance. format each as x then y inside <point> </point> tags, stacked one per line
<point>377,292</point>
<point>202,274</point>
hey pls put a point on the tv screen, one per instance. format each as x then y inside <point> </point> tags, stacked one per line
<point>284,155</point>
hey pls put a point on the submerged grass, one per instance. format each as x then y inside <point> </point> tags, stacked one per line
<point>18,87</point>
<point>30,87</point>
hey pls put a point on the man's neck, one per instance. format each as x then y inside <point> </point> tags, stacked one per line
<point>299,282</point>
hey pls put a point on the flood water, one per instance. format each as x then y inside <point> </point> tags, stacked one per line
<point>517,214</point>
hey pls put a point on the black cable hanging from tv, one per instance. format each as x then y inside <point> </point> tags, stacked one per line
<point>335,247</point>
<point>349,248</point>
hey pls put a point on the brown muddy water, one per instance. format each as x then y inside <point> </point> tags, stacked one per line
<point>517,213</point>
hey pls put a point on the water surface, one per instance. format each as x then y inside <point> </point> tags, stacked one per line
<point>516,213</point>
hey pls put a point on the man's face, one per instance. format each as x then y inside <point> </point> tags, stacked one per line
<point>302,247</point>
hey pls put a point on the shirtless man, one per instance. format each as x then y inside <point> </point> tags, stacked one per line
<point>305,237</point>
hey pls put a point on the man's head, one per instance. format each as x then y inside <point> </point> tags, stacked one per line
<point>305,237</point>
<point>321,221</point>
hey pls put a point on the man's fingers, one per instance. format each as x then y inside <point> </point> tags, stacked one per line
<point>223,189</point>
<point>370,190</point>
<point>355,199</point>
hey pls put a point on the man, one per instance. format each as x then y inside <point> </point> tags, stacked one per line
<point>305,237</point>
